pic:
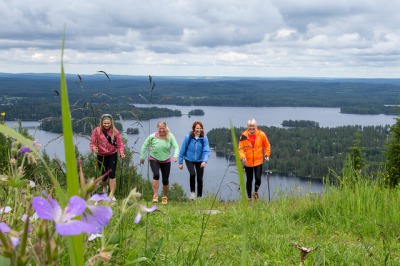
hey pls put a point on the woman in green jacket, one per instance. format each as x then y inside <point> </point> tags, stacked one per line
<point>160,144</point>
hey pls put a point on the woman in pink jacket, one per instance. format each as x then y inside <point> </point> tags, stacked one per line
<point>106,142</point>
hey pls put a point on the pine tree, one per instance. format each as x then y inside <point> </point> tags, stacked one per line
<point>392,155</point>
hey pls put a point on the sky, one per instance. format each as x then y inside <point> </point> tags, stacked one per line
<point>234,38</point>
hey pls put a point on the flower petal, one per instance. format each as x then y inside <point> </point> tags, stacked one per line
<point>144,209</point>
<point>99,197</point>
<point>73,227</point>
<point>94,236</point>
<point>43,208</point>
<point>76,206</point>
<point>4,227</point>
<point>98,217</point>
<point>5,209</point>
<point>138,217</point>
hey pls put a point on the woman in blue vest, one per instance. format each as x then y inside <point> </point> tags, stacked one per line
<point>195,151</point>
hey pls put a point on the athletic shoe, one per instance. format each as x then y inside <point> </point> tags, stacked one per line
<point>113,199</point>
<point>105,190</point>
<point>255,196</point>
<point>164,200</point>
<point>192,196</point>
<point>155,198</point>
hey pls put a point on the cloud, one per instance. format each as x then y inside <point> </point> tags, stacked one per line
<point>220,37</point>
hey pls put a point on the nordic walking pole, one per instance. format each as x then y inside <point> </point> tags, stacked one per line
<point>120,186</point>
<point>266,165</point>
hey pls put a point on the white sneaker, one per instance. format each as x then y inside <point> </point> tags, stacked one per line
<point>113,199</point>
<point>192,196</point>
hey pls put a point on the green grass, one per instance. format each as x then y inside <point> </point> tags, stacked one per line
<point>358,226</point>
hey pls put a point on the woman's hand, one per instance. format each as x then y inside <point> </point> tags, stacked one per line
<point>203,164</point>
<point>180,166</point>
<point>122,155</point>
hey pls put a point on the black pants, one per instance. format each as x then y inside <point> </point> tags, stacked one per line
<point>250,171</point>
<point>165,170</point>
<point>107,162</point>
<point>194,167</point>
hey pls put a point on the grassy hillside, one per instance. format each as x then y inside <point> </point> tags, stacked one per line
<point>356,225</point>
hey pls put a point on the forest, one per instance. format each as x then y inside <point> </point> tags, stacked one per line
<point>303,149</point>
<point>38,93</point>
<point>312,152</point>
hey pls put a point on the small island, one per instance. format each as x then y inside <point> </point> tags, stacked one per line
<point>196,112</point>
<point>300,123</point>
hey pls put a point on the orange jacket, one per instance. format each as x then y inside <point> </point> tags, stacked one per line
<point>254,154</point>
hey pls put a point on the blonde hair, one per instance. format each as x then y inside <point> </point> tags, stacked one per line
<point>161,122</point>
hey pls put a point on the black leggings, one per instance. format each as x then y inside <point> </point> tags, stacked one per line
<point>194,167</point>
<point>107,162</point>
<point>165,170</point>
<point>257,170</point>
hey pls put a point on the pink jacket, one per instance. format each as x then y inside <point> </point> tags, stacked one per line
<point>104,146</point>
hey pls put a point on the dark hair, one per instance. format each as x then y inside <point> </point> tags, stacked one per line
<point>194,126</point>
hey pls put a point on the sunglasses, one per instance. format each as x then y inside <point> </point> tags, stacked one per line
<point>106,116</point>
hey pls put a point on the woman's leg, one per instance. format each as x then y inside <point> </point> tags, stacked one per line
<point>192,173</point>
<point>112,164</point>
<point>165,170</point>
<point>200,173</point>
<point>155,168</point>
<point>258,173</point>
<point>249,180</point>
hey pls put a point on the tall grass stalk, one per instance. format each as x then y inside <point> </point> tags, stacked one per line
<point>74,243</point>
<point>243,193</point>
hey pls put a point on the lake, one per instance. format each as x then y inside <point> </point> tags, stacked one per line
<point>221,177</point>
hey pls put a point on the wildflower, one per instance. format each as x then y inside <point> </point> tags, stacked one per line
<point>96,215</point>
<point>3,114</point>
<point>94,236</point>
<point>143,210</point>
<point>4,228</point>
<point>49,209</point>
<point>32,184</point>
<point>24,150</point>
<point>6,209</point>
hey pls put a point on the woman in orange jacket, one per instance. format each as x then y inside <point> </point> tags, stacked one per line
<point>254,149</point>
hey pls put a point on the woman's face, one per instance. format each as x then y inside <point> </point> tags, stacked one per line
<point>106,124</point>
<point>198,129</point>
<point>161,130</point>
<point>252,129</point>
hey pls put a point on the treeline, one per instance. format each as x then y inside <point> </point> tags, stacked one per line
<point>361,96</point>
<point>311,152</point>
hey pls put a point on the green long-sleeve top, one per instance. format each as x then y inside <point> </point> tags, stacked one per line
<point>160,149</point>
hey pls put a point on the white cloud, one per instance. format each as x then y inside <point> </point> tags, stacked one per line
<point>210,37</point>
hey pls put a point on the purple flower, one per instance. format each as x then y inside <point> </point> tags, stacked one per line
<point>143,210</point>
<point>24,150</point>
<point>49,209</point>
<point>4,228</point>
<point>96,215</point>
<point>99,197</point>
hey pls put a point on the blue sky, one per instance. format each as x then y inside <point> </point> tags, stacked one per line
<point>261,38</point>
